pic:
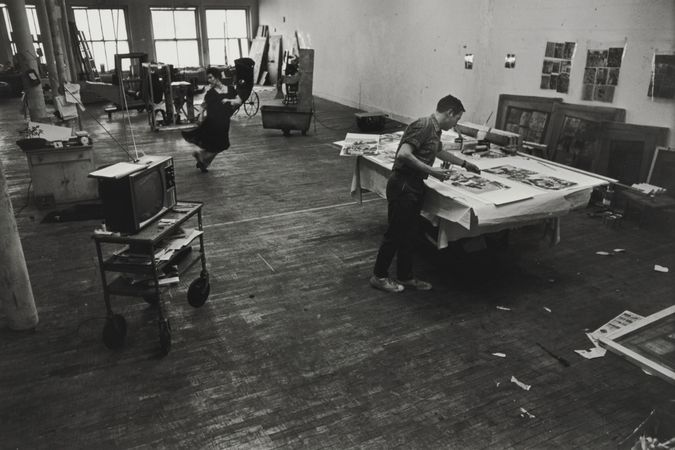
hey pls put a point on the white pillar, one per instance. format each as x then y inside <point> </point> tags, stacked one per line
<point>46,34</point>
<point>27,58</point>
<point>59,41</point>
<point>16,294</point>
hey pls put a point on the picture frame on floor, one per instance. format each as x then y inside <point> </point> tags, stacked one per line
<point>648,343</point>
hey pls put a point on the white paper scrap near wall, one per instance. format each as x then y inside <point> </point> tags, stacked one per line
<point>660,268</point>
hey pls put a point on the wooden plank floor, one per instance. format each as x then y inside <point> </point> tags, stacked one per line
<point>293,349</point>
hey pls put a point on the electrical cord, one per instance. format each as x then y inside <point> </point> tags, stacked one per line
<point>102,126</point>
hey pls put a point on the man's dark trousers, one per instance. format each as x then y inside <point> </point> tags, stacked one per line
<point>405,194</point>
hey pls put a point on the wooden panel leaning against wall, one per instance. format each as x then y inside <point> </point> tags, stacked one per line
<point>529,116</point>
<point>576,133</point>
<point>627,150</point>
<point>591,138</point>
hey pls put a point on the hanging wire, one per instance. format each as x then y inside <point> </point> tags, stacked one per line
<point>131,128</point>
<point>102,126</point>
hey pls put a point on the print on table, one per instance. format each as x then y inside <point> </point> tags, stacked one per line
<point>360,144</point>
<point>474,183</point>
<point>388,145</point>
<point>531,177</point>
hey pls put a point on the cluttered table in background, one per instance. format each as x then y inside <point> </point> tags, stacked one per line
<point>513,189</point>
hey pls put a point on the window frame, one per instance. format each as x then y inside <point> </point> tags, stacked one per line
<point>37,37</point>
<point>242,52</point>
<point>103,40</point>
<point>197,38</point>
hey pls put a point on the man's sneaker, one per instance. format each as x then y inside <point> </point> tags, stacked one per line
<point>414,283</point>
<point>385,284</point>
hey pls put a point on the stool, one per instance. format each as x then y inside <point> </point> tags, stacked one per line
<point>110,109</point>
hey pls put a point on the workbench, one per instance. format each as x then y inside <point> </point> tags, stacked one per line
<point>456,214</point>
<point>61,174</point>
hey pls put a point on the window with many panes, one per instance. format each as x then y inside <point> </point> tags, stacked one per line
<point>33,26</point>
<point>105,31</point>
<point>175,34</point>
<point>227,33</point>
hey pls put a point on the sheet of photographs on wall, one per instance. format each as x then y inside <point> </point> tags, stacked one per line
<point>662,82</point>
<point>531,178</point>
<point>601,75</point>
<point>555,73</point>
<point>528,123</point>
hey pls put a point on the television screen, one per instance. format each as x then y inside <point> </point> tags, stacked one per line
<point>148,195</point>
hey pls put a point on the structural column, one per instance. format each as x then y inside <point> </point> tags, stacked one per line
<point>46,35</point>
<point>70,51</point>
<point>58,40</point>
<point>26,57</point>
<point>5,47</point>
<point>16,294</point>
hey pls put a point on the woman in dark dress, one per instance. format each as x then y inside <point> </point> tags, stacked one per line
<point>213,133</point>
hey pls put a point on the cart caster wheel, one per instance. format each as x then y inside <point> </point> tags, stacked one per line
<point>198,292</point>
<point>286,132</point>
<point>151,299</point>
<point>115,332</point>
<point>164,337</point>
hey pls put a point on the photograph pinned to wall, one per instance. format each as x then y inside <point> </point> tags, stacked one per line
<point>510,61</point>
<point>360,144</point>
<point>662,81</point>
<point>468,61</point>
<point>531,178</point>
<point>555,72</point>
<point>601,74</point>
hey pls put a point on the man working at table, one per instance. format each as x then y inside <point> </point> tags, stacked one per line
<point>419,147</point>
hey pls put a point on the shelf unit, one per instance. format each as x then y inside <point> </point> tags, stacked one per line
<point>145,263</point>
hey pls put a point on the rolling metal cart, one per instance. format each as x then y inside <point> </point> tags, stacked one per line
<point>149,261</point>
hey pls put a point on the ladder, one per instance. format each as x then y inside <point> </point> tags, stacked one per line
<point>87,64</point>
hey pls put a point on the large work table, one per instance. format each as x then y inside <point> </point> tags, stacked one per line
<point>547,192</point>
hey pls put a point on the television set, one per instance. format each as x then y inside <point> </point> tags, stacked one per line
<point>136,194</point>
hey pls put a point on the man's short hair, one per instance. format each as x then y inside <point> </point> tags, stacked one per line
<point>450,103</point>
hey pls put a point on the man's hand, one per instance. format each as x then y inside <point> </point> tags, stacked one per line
<point>471,167</point>
<point>440,173</point>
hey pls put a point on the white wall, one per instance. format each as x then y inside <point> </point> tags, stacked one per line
<point>400,56</point>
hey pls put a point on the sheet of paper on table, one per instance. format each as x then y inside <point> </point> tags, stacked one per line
<point>356,144</point>
<point>484,187</point>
